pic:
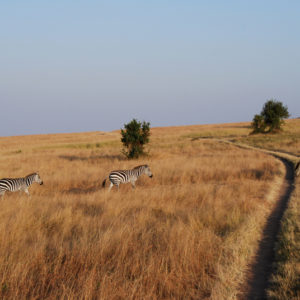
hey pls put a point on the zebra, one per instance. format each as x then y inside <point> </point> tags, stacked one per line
<point>297,169</point>
<point>125,176</point>
<point>19,184</point>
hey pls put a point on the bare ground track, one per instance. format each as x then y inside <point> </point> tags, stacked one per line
<point>261,267</point>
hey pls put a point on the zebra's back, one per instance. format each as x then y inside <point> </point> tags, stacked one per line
<point>12,184</point>
<point>119,176</point>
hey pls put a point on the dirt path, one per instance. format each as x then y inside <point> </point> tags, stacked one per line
<point>261,268</point>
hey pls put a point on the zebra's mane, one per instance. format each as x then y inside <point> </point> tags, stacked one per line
<point>31,174</point>
<point>137,167</point>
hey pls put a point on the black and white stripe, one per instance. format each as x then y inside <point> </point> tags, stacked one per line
<point>297,169</point>
<point>125,176</point>
<point>19,184</point>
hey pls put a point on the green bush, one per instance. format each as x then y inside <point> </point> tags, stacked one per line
<point>258,124</point>
<point>270,118</point>
<point>134,136</point>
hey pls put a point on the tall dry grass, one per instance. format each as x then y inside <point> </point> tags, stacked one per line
<point>188,233</point>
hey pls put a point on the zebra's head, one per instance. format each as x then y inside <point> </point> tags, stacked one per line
<point>148,171</point>
<point>37,178</point>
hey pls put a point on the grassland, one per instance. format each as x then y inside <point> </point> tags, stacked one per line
<point>188,233</point>
<point>286,141</point>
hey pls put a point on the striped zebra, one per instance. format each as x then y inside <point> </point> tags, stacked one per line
<point>19,184</point>
<point>125,176</point>
<point>297,169</point>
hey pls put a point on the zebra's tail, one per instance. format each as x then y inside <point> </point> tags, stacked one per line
<point>103,183</point>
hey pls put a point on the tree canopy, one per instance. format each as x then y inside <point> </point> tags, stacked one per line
<point>271,117</point>
<point>134,136</point>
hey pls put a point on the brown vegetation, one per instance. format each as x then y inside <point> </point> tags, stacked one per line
<point>188,233</point>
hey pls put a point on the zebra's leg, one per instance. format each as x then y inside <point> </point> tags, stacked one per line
<point>111,185</point>
<point>2,194</point>
<point>133,181</point>
<point>27,192</point>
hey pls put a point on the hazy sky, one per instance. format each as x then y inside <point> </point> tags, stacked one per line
<point>70,66</point>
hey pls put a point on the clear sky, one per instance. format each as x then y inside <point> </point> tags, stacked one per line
<point>72,66</point>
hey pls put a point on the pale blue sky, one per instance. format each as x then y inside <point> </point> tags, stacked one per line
<point>71,66</point>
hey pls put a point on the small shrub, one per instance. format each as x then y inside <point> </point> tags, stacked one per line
<point>134,136</point>
<point>258,125</point>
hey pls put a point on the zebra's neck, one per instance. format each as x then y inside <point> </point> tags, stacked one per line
<point>30,179</point>
<point>138,171</point>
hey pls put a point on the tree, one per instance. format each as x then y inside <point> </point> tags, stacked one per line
<point>271,117</point>
<point>273,113</point>
<point>134,136</point>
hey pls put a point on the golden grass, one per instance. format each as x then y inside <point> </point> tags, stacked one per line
<point>188,233</point>
<point>287,140</point>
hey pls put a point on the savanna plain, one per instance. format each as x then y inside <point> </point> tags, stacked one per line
<point>187,233</point>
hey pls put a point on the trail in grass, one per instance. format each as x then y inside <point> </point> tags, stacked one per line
<point>260,269</point>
